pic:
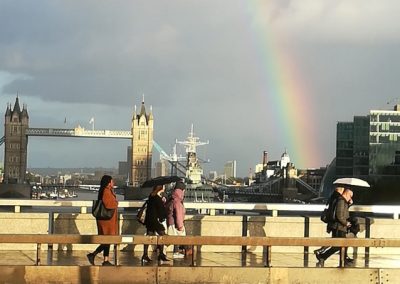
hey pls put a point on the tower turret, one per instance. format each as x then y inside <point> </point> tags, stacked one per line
<point>142,146</point>
<point>17,108</point>
<point>8,112</point>
<point>16,143</point>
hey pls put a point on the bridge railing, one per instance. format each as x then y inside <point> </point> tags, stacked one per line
<point>193,241</point>
<point>210,208</point>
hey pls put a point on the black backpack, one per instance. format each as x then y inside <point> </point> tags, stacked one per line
<point>329,213</point>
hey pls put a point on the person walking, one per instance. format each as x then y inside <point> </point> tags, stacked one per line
<point>106,227</point>
<point>156,214</point>
<point>339,226</point>
<point>332,201</point>
<point>176,215</point>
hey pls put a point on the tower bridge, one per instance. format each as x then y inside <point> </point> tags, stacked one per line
<point>79,132</point>
<point>17,130</point>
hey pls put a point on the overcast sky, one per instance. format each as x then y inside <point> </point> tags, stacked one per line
<point>203,62</point>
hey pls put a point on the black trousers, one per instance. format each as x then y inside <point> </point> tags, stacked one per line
<point>332,250</point>
<point>103,248</point>
<point>159,247</point>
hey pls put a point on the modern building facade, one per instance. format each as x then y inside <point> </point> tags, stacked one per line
<point>161,168</point>
<point>370,145</point>
<point>230,169</point>
<point>142,146</point>
<point>16,142</point>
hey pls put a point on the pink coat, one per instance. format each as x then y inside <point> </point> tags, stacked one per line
<point>176,210</point>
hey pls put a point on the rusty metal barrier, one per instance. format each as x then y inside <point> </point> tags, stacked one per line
<point>192,241</point>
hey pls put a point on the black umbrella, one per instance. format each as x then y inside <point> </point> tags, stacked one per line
<point>161,181</point>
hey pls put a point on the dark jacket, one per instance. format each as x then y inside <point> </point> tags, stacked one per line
<point>155,213</point>
<point>341,214</point>
<point>333,198</point>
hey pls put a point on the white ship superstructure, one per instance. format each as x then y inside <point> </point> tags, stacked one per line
<point>194,172</point>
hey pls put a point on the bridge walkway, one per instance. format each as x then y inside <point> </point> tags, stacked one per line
<point>209,259</point>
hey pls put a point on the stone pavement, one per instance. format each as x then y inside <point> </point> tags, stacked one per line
<point>78,258</point>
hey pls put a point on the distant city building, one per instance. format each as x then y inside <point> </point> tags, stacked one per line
<point>161,168</point>
<point>212,175</point>
<point>142,146</point>
<point>344,148</point>
<point>230,169</point>
<point>63,179</point>
<point>312,177</point>
<point>129,160</point>
<point>16,143</point>
<point>258,168</point>
<point>123,169</point>
<point>369,145</point>
<point>269,169</point>
<point>1,172</point>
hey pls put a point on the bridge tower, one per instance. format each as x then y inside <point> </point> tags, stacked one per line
<point>142,146</point>
<point>15,143</point>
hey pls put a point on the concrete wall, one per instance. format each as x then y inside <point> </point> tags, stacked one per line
<point>224,225</point>
<point>259,275</point>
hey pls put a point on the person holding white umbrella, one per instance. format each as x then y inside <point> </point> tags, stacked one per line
<point>341,223</point>
<point>339,226</point>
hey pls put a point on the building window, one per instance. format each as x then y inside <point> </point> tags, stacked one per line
<point>384,127</point>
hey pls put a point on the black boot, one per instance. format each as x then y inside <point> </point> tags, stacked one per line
<point>162,257</point>
<point>90,257</point>
<point>145,259</point>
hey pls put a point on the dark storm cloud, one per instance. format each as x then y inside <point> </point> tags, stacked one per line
<point>198,62</point>
<point>87,52</point>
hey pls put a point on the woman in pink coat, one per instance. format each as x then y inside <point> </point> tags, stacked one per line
<point>106,227</point>
<point>176,215</point>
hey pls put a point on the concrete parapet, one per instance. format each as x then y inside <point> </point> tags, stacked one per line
<point>126,274</point>
<point>23,223</point>
<point>384,228</point>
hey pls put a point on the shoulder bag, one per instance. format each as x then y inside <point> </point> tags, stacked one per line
<point>100,212</point>
<point>141,215</point>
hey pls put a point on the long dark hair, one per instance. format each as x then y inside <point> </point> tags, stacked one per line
<point>105,180</point>
<point>156,189</point>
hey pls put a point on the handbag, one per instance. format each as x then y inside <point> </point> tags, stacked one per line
<point>141,215</point>
<point>172,231</point>
<point>100,212</point>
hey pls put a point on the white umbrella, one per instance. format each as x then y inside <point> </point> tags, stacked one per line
<point>352,182</point>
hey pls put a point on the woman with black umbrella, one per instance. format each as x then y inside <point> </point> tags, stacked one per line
<point>156,214</point>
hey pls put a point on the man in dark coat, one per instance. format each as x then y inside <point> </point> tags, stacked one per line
<point>331,204</point>
<point>340,225</point>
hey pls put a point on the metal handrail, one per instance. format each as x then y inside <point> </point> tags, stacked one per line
<point>393,210</point>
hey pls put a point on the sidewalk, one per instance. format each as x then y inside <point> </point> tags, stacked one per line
<point>78,258</point>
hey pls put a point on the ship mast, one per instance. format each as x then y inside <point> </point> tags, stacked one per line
<point>193,169</point>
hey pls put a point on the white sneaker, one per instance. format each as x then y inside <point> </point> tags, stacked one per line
<point>178,255</point>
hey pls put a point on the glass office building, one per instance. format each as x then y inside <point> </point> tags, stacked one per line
<point>384,137</point>
<point>370,145</point>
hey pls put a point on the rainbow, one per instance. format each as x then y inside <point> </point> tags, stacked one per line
<point>286,96</point>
